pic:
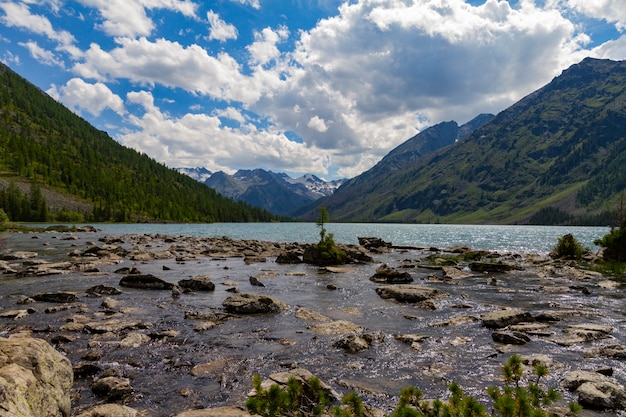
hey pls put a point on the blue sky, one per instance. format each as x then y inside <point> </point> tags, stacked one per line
<point>298,86</point>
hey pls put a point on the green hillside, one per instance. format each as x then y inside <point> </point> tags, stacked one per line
<point>558,156</point>
<point>55,165</point>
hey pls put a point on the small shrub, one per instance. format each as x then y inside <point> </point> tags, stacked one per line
<point>614,244</point>
<point>568,247</point>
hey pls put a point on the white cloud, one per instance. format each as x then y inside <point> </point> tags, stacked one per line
<point>264,49</point>
<point>42,55</point>
<point>129,18</point>
<point>19,15</point>
<point>95,98</point>
<point>383,69</point>
<point>172,65</point>
<point>202,140</point>
<point>613,11</point>
<point>318,124</point>
<point>255,4</point>
<point>219,29</point>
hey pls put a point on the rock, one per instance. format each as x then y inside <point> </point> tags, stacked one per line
<point>109,410</point>
<point>134,340</point>
<point>497,267</point>
<point>198,283</point>
<point>301,375</point>
<point>18,255</point>
<point>509,337</point>
<point>109,303</point>
<point>254,281</point>
<point>102,290</point>
<point>375,244</point>
<point>216,412</point>
<point>502,318</point>
<point>410,293</point>
<point>452,272</point>
<point>213,368</point>
<point>113,325</point>
<point>35,379</point>
<point>596,390</point>
<point>145,281</point>
<point>335,327</point>
<point>310,315</point>
<point>253,304</point>
<point>610,351</point>
<point>289,258</point>
<point>56,297</point>
<point>353,343</point>
<point>112,388</point>
<point>387,275</point>
<point>16,314</point>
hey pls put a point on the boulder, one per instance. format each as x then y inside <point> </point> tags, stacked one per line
<point>335,327</point>
<point>146,282</point>
<point>35,379</point>
<point>502,318</point>
<point>253,304</point>
<point>494,267</point>
<point>112,388</point>
<point>289,258</point>
<point>99,290</point>
<point>197,283</point>
<point>509,337</point>
<point>387,275</point>
<point>56,297</point>
<point>410,293</point>
<point>596,390</point>
<point>353,343</point>
<point>109,410</point>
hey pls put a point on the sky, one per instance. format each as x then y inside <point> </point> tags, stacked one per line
<point>297,86</point>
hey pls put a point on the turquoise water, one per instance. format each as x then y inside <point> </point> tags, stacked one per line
<point>524,239</point>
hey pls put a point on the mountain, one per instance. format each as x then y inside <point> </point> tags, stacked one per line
<point>557,156</point>
<point>198,174</point>
<point>275,192</point>
<point>350,202</point>
<point>54,166</point>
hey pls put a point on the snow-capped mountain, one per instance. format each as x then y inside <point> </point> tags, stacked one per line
<point>275,192</point>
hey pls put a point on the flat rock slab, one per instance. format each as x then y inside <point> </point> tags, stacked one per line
<point>407,293</point>
<point>216,412</point>
<point>253,304</point>
<point>336,327</point>
<point>502,318</point>
<point>146,282</point>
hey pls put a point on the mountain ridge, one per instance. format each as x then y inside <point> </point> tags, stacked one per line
<point>559,148</point>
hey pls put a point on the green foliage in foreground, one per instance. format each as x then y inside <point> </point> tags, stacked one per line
<point>512,400</point>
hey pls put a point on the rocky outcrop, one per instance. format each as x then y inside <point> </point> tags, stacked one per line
<point>407,293</point>
<point>387,275</point>
<point>146,282</point>
<point>503,318</point>
<point>35,379</point>
<point>595,390</point>
<point>253,304</point>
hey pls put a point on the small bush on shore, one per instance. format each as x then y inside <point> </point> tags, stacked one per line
<point>614,244</point>
<point>568,247</point>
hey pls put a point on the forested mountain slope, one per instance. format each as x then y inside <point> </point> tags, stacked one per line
<point>44,143</point>
<point>558,156</point>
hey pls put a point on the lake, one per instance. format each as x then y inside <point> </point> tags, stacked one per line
<point>525,239</point>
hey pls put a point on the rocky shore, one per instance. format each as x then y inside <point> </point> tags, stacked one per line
<point>154,325</point>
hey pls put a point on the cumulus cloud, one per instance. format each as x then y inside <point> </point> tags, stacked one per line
<point>381,70</point>
<point>255,4</point>
<point>19,15</point>
<point>41,54</point>
<point>94,98</point>
<point>129,18</point>
<point>264,48</point>
<point>219,29</point>
<point>170,64</point>
<point>613,11</point>
<point>202,140</point>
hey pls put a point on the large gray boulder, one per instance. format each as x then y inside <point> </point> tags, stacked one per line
<point>596,390</point>
<point>503,318</point>
<point>35,379</point>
